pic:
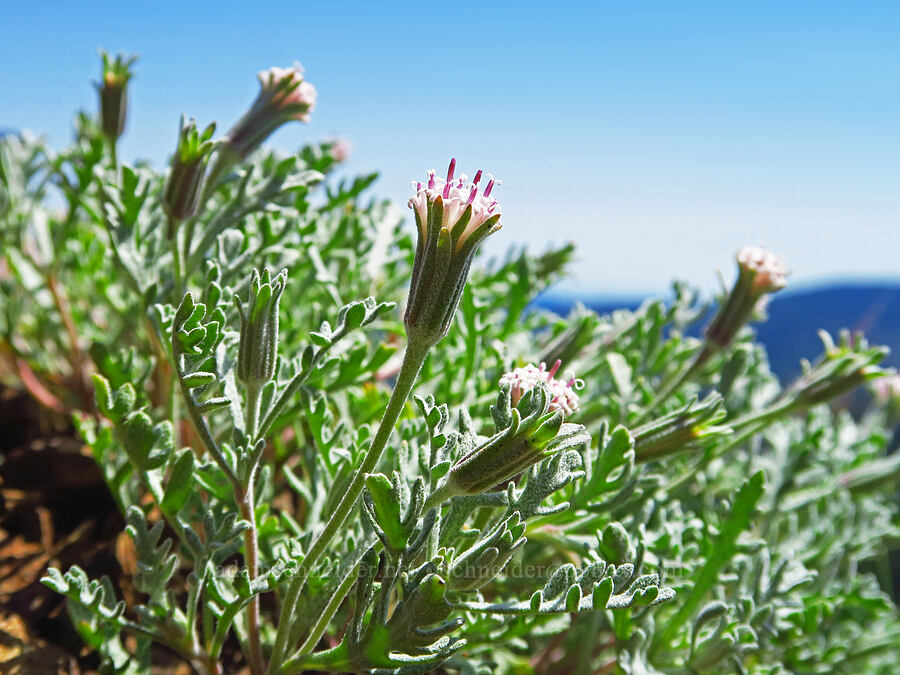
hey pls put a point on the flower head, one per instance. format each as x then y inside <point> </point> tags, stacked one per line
<point>288,92</point>
<point>465,208</point>
<point>527,433</point>
<point>452,217</point>
<point>760,272</point>
<point>562,392</point>
<point>284,96</point>
<point>767,268</point>
<point>887,389</point>
<point>339,148</point>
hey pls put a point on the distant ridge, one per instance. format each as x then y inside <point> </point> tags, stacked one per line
<point>795,317</point>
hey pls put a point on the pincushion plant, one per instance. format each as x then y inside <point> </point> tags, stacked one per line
<point>226,337</point>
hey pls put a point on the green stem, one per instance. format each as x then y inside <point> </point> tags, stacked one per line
<point>175,247</point>
<point>765,416</point>
<point>203,430</point>
<point>413,360</point>
<point>251,559</point>
<point>251,543</point>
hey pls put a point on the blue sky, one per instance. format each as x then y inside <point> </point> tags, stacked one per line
<point>659,136</point>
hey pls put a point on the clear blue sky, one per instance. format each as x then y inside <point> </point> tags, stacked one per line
<point>659,136</point>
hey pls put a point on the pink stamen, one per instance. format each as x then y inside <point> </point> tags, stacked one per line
<point>491,207</point>
<point>472,193</point>
<point>451,169</point>
<point>490,186</point>
<point>418,186</point>
<point>431,180</point>
<point>477,177</point>
<point>446,194</point>
<point>555,368</point>
<point>571,381</point>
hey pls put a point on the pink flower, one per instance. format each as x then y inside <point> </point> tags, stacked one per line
<point>284,96</point>
<point>465,207</point>
<point>563,394</point>
<point>887,388</point>
<point>288,92</point>
<point>340,149</point>
<point>768,269</point>
<point>453,217</point>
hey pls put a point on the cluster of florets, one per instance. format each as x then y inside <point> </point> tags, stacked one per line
<point>457,196</point>
<point>563,394</point>
<point>768,269</point>
<point>887,389</point>
<point>289,91</point>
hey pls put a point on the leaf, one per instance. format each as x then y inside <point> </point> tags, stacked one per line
<point>180,483</point>
<point>721,552</point>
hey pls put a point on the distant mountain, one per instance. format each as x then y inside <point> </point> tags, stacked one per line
<point>791,333</point>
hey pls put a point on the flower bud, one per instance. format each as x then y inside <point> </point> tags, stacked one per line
<point>683,429</point>
<point>453,218</point>
<point>339,148</point>
<point>258,348</point>
<point>844,367</point>
<point>760,272</point>
<point>186,177</point>
<point>284,96</point>
<point>113,90</point>
<point>533,432</point>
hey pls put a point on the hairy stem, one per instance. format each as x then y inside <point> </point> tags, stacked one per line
<point>409,371</point>
<point>251,559</point>
<point>251,544</point>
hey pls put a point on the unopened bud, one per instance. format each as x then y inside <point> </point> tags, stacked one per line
<point>283,96</point>
<point>188,171</point>
<point>113,90</point>
<point>534,433</point>
<point>683,429</point>
<point>258,348</point>
<point>759,272</point>
<point>842,368</point>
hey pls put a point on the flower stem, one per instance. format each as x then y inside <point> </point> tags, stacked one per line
<point>251,544</point>
<point>251,559</point>
<point>413,360</point>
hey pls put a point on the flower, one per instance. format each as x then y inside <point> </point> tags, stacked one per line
<point>284,96</point>
<point>340,149</point>
<point>887,389</point>
<point>288,92</point>
<point>527,433</point>
<point>463,209</point>
<point>453,217</point>
<point>760,272</point>
<point>767,268</point>
<point>562,392</point>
